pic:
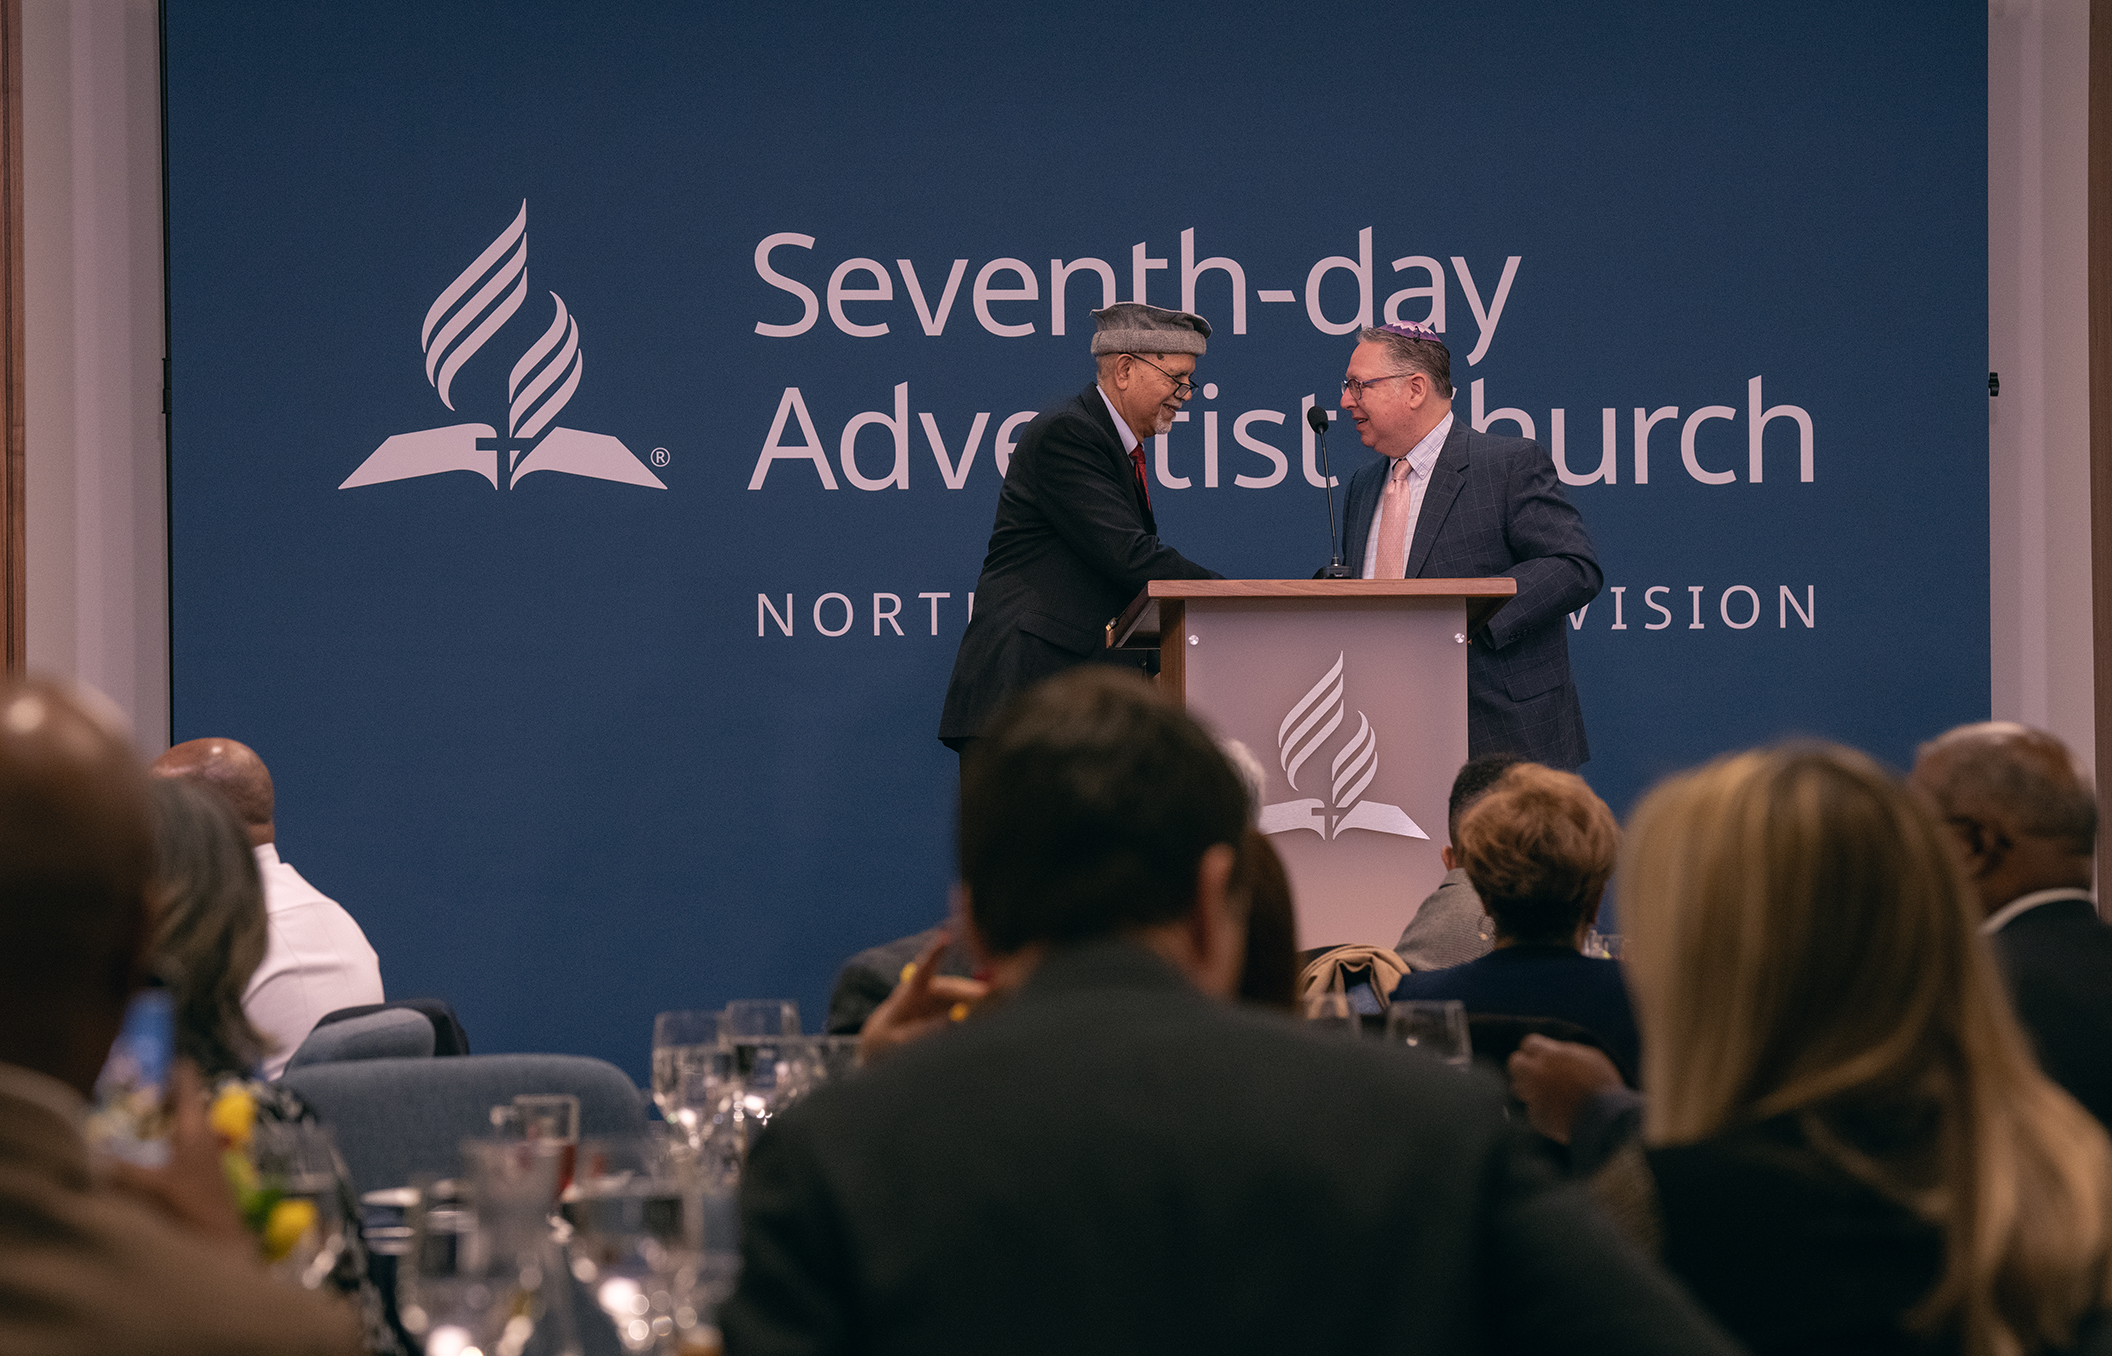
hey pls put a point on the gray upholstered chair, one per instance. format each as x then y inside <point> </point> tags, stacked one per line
<point>393,1033</point>
<point>395,1119</point>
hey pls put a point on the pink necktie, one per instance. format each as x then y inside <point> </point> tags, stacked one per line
<point>1392,562</point>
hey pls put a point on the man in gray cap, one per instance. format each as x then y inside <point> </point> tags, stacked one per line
<point>1074,539</point>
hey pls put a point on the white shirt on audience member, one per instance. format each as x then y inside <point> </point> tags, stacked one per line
<point>317,961</point>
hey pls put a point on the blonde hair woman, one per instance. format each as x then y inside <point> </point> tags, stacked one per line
<point>1851,1148</point>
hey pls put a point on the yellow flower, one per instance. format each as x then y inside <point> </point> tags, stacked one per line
<point>289,1223</point>
<point>234,1115</point>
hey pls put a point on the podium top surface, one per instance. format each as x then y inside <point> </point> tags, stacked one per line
<point>1139,622</point>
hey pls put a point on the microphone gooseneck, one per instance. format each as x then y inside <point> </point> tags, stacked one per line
<point>1334,568</point>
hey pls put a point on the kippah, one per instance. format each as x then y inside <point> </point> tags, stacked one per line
<point>1135,327</point>
<point>1414,331</point>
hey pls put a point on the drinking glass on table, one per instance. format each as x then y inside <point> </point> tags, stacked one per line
<point>294,1193</point>
<point>465,1287</point>
<point>680,1038</point>
<point>549,1118</point>
<point>644,1246</point>
<point>1437,1027</point>
<point>1333,1012</point>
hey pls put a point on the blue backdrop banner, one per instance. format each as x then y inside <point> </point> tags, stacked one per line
<point>587,420</point>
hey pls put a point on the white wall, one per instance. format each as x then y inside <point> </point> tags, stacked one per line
<point>95,516</point>
<point>2038,71</point>
<point>98,592</point>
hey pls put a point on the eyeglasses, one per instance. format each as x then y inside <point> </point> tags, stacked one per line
<point>1354,387</point>
<point>1182,387</point>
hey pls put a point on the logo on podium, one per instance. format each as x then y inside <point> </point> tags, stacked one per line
<point>461,320</point>
<point>1311,722</point>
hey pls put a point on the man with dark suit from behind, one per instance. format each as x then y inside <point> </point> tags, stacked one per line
<point>1463,505</point>
<point>1074,538</point>
<point>2024,820</point>
<point>1115,1158</point>
<point>103,1257</point>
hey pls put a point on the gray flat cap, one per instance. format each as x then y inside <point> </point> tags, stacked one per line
<point>1133,327</point>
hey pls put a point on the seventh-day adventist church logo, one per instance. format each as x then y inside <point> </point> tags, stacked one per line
<point>462,319</point>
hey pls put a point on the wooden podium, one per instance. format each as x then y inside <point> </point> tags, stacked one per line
<point>1352,695</point>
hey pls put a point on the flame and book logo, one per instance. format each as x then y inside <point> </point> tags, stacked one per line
<point>462,319</point>
<point>1311,722</point>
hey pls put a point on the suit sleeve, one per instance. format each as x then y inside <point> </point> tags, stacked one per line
<point>1093,511</point>
<point>1557,571</point>
<point>795,1291</point>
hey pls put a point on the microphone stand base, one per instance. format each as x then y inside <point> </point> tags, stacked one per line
<point>1334,572</point>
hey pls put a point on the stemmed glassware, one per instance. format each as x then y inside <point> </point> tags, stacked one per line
<point>474,1277</point>
<point>296,1163</point>
<point>652,1241</point>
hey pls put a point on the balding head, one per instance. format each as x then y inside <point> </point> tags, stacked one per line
<point>233,769</point>
<point>76,859</point>
<point>2022,813</point>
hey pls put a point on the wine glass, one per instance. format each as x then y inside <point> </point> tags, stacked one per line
<point>304,1223</point>
<point>1437,1027</point>
<point>545,1118</point>
<point>679,1037</point>
<point>463,1287</point>
<point>645,1245</point>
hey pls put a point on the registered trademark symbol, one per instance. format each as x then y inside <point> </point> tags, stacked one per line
<point>659,456</point>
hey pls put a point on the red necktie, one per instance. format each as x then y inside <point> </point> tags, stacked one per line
<point>1136,459</point>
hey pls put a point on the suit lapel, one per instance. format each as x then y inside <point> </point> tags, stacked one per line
<point>1445,480</point>
<point>1095,406</point>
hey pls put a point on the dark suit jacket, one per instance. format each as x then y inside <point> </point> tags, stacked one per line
<point>1540,981</point>
<point>1114,1163</point>
<point>1494,506</point>
<point>1072,543</point>
<point>2058,958</point>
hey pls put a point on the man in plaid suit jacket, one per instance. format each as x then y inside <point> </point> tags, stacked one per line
<point>1449,503</point>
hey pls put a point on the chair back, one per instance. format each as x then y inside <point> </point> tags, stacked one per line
<point>392,1033</point>
<point>395,1119</point>
<point>448,1036</point>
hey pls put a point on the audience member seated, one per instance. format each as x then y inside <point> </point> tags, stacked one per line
<point>1538,847</point>
<point>867,978</point>
<point>99,1258</point>
<point>318,960</point>
<point>1118,1158</point>
<point>1850,1148</point>
<point>1269,974</point>
<point>2024,821</point>
<point>210,938</point>
<point>1450,927</point>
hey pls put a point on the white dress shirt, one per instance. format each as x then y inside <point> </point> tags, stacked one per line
<point>1421,459</point>
<point>1123,431</point>
<point>317,961</point>
<point>2001,917</point>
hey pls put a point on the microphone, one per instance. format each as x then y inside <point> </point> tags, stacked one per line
<point>1334,569</point>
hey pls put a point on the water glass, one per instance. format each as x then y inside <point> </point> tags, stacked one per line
<point>1602,945</point>
<point>679,1037</point>
<point>460,1288</point>
<point>1333,1012</point>
<point>652,1242</point>
<point>544,1118</point>
<point>751,1018</point>
<point>1435,1027</point>
<point>298,1160</point>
